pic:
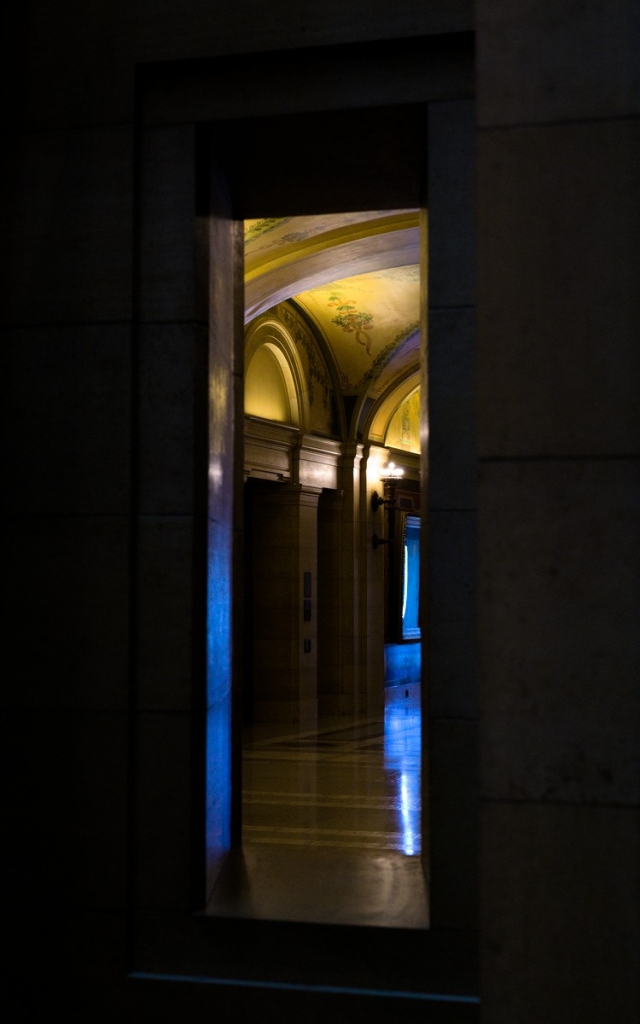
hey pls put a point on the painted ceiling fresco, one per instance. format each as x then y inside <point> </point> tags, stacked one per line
<point>403,431</point>
<point>367,321</point>
<point>355,277</point>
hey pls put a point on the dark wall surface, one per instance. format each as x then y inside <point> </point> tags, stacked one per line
<point>100,504</point>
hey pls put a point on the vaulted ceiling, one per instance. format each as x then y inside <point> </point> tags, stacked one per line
<point>356,279</point>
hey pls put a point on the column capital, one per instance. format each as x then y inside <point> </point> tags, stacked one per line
<point>352,450</point>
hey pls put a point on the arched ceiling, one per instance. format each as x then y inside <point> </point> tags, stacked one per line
<point>356,279</point>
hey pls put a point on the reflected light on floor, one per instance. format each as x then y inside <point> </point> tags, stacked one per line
<point>402,758</point>
<point>331,822</point>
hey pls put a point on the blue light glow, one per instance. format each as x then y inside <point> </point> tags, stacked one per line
<point>402,757</point>
<point>431,997</point>
<point>218,764</point>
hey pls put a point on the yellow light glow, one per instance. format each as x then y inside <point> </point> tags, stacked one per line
<point>265,391</point>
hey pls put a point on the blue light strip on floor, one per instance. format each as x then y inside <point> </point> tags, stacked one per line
<point>430,997</point>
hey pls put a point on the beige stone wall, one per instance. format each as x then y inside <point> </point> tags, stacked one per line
<point>558,439</point>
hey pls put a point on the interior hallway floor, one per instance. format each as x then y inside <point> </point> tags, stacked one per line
<point>331,822</point>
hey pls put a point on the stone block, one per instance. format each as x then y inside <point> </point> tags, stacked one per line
<point>559,643</point>
<point>67,808</point>
<point>66,581</point>
<point>451,821</point>
<point>164,811</point>
<point>541,62</point>
<point>558,298</point>
<point>171,603</point>
<point>71,227</point>
<point>451,618</point>
<point>81,66</point>
<point>172,413</point>
<point>452,410</point>
<point>168,224</point>
<point>68,420</point>
<point>560,931</point>
<point>451,203</point>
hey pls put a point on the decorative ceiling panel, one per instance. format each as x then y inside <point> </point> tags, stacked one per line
<point>355,277</point>
<point>367,321</point>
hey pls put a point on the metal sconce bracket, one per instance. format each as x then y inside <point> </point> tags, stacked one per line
<point>377,501</point>
<point>377,541</point>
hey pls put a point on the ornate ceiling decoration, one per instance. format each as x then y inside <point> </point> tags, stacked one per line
<point>356,279</point>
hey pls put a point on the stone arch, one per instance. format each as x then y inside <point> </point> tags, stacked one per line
<point>268,336</point>
<point>376,427</point>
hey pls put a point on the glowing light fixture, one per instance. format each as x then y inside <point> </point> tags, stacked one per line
<point>389,474</point>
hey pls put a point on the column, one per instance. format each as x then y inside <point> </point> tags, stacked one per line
<point>350,634</point>
<point>284,585</point>
<point>330,562</point>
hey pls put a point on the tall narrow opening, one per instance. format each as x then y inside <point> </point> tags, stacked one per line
<point>331,698</point>
<point>202,122</point>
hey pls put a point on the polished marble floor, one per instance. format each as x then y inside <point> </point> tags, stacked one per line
<point>346,784</point>
<point>331,822</point>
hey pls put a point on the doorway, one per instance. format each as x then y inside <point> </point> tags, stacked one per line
<point>442,117</point>
<point>331,758</point>
<point>283,188</point>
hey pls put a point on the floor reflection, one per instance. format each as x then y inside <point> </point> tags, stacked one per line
<point>402,760</point>
<point>346,784</point>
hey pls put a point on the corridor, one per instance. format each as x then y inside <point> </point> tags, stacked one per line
<point>347,784</point>
<point>331,822</point>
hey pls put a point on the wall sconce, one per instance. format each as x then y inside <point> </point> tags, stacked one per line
<point>377,501</point>
<point>377,541</point>
<point>390,475</point>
